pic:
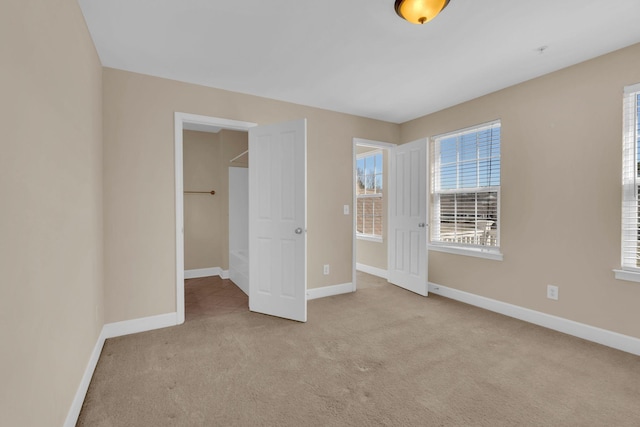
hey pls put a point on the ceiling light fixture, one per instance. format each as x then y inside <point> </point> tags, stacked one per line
<point>420,11</point>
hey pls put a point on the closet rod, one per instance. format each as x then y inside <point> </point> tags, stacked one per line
<point>200,192</point>
<point>238,156</point>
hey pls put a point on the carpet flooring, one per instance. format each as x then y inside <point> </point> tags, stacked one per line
<point>381,356</point>
<point>212,296</point>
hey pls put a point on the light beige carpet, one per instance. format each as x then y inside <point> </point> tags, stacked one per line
<point>380,356</point>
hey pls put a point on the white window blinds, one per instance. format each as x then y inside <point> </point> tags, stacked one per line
<point>465,187</point>
<point>631,178</point>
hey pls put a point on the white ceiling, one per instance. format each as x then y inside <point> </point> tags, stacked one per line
<point>357,56</point>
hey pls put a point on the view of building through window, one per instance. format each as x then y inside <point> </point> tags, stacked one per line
<point>465,187</point>
<point>369,172</point>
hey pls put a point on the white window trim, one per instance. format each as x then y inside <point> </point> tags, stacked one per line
<point>478,128</point>
<point>629,183</point>
<point>486,252</point>
<point>478,252</point>
<point>369,237</point>
<point>628,275</point>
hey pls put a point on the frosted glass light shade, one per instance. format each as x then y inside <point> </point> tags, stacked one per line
<point>420,11</point>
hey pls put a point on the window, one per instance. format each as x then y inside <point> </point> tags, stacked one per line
<point>465,188</point>
<point>631,179</point>
<point>369,174</point>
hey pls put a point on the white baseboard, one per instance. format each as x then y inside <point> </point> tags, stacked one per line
<point>375,271</point>
<point>81,393</point>
<point>134,326</point>
<point>112,330</point>
<point>206,272</point>
<point>328,291</point>
<point>580,330</point>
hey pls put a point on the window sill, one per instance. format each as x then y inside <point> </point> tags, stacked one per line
<point>628,275</point>
<point>478,253</point>
<point>369,238</point>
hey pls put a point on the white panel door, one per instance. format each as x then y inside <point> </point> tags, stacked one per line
<point>278,220</point>
<point>408,217</point>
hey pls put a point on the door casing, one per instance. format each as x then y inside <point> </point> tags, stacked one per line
<point>180,119</point>
<point>390,148</point>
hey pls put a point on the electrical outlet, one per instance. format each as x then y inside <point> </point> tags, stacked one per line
<point>552,292</point>
<point>325,270</point>
<point>346,209</point>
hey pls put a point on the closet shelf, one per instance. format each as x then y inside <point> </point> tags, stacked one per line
<point>238,156</point>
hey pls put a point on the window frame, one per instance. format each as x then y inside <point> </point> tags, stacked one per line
<point>476,250</point>
<point>630,220</point>
<point>366,236</point>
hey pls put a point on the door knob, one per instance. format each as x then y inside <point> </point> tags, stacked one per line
<point>422,225</point>
<point>298,230</point>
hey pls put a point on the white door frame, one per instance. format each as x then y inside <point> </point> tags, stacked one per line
<point>180,119</point>
<point>389,147</point>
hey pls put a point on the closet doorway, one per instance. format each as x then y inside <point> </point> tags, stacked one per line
<point>277,214</point>
<point>215,211</point>
<point>207,150</point>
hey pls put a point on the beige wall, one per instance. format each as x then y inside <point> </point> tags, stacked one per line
<point>374,254</point>
<point>203,213</point>
<point>206,218</point>
<point>51,295</point>
<point>561,194</point>
<point>139,183</point>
